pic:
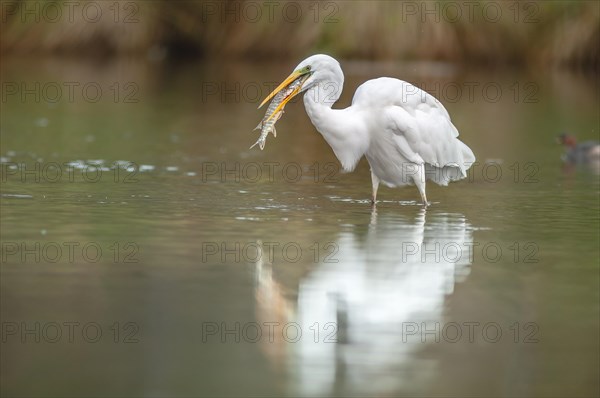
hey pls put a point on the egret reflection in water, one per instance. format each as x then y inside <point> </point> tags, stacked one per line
<point>352,312</point>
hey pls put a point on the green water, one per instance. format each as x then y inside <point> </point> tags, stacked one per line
<point>200,261</point>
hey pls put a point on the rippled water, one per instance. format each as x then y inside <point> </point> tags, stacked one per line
<point>212,269</point>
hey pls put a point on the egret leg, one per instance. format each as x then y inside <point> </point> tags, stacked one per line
<point>423,196</point>
<point>419,180</point>
<point>375,182</point>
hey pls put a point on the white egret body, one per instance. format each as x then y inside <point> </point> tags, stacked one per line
<point>405,133</point>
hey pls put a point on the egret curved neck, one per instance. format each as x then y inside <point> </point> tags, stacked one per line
<point>344,135</point>
<point>318,101</point>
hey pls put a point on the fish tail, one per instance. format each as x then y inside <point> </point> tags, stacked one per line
<point>260,142</point>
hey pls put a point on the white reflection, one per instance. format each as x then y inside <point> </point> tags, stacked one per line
<point>397,272</point>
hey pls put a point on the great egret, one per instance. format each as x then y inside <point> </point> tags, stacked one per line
<point>405,133</point>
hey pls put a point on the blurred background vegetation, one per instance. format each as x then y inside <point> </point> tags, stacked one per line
<point>532,33</point>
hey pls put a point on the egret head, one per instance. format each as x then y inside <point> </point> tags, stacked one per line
<point>313,70</point>
<point>323,68</point>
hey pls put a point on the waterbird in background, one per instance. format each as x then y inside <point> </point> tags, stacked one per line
<point>579,153</point>
<point>405,133</point>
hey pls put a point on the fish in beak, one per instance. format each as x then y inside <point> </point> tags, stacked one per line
<point>295,80</point>
<point>287,90</point>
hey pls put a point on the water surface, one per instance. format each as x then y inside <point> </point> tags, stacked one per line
<point>186,244</point>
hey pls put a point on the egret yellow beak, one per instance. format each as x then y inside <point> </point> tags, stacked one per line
<point>288,80</point>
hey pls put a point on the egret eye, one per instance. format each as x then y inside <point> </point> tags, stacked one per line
<point>308,68</point>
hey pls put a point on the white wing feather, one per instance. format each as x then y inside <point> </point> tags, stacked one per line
<point>419,127</point>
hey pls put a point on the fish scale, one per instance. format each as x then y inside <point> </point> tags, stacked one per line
<point>267,124</point>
